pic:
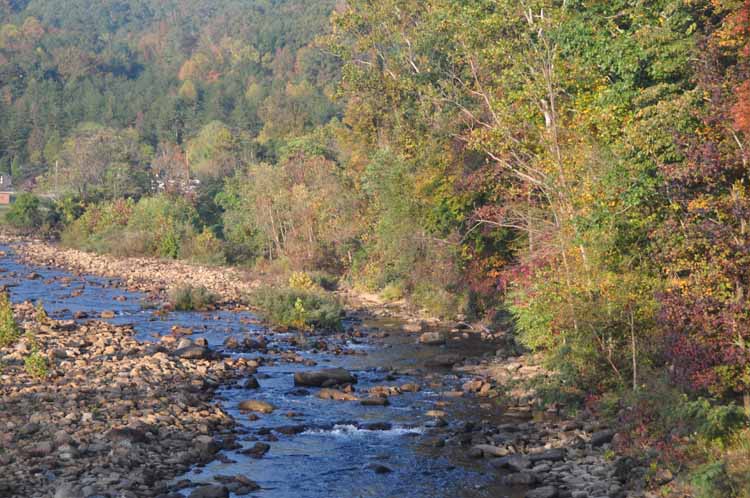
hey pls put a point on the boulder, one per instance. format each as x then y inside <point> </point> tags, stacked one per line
<point>257,450</point>
<point>521,479</point>
<point>602,437</point>
<point>193,352</point>
<point>551,455</point>
<point>336,395</point>
<point>379,468</point>
<point>252,405</point>
<point>412,327</point>
<point>251,383</point>
<point>444,360</point>
<point>231,343</point>
<point>329,376</point>
<point>514,463</point>
<point>375,401</point>
<point>490,451</point>
<point>432,339</point>
<point>127,434</point>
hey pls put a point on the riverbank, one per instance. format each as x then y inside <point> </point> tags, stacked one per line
<point>150,275</point>
<point>548,456</point>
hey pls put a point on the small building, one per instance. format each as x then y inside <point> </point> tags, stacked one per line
<point>6,190</point>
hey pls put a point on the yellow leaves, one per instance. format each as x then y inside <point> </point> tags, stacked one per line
<point>698,204</point>
<point>188,92</point>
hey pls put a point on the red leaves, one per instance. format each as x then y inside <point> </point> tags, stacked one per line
<point>741,109</point>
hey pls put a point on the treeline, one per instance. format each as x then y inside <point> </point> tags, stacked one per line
<point>581,167</point>
<point>156,75</point>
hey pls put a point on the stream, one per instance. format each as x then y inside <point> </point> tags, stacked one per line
<point>318,448</point>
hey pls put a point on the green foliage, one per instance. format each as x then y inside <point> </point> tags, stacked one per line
<point>9,331</point>
<point>36,365</point>
<point>298,309</point>
<point>711,480</point>
<point>154,226</point>
<point>190,298</point>
<point>156,80</point>
<point>40,314</point>
<point>393,291</point>
<point>716,422</point>
<point>25,212</point>
<point>204,248</point>
<point>300,210</point>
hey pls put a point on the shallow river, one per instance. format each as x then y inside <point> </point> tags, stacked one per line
<point>333,456</point>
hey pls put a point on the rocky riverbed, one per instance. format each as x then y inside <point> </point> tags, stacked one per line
<point>213,405</point>
<point>114,417</point>
<point>145,274</point>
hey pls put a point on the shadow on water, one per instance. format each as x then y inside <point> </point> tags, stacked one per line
<point>319,448</point>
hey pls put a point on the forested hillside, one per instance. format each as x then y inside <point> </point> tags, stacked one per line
<point>155,75</point>
<point>575,170</point>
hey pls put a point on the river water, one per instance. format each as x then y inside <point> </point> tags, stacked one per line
<point>334,455</point>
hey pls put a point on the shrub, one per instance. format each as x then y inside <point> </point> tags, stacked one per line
<point>299,309</point>
<point>189,298</point>
<point>204,248</point>
<point>40,314</point>
<point>9,332</point>
<point>714,422</point>
<point>36,365</point>
<point>393,291</point>
<point>324,280</point>
<point>25,212</point>
<point>302,281</point>
<point>711,480</point>
<point>154,226</point>
<point>437,300</point>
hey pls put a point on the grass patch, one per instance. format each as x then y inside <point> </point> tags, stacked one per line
<point>299,308</point>
<point>190,298</point>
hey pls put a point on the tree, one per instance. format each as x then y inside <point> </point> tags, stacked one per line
<point>100,161</point>
<point>706,309</point>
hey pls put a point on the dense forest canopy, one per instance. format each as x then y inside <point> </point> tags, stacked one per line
<point>165,69</point>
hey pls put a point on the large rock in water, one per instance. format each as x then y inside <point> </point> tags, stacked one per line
<point>336,395</point>
<point>193,352</point>
<point>326,377</point>
<point>432,339</point>
<point>252,405</point>
<point>444,360</point>
<point>210,491</point>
